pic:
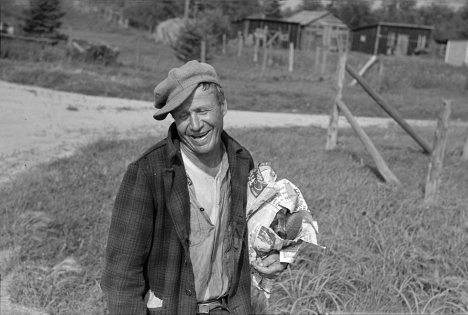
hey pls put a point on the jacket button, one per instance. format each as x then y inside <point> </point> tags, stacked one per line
<point>202,209</point>
<point>188,292</point>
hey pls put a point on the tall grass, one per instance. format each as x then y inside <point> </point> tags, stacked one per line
<point>31,51</point>
<point>386,251</point>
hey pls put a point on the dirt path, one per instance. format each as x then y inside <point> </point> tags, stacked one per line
<point>37,125</point>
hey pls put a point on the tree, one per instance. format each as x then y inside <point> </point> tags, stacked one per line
<point>399,11</point>
<point>441,16</point>
<point>273,9</point>
<point>355,13</point>
<point>461,22</point>
<point>208,26</point>
<point>43,18</point>
<point>312,5</point>
<point>148,14</point>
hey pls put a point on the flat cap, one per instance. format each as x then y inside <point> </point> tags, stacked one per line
<point>179,85</point>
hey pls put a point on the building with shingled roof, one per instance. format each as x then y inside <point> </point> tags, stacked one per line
<point>320,28</point>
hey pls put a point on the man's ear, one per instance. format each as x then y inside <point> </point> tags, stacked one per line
<point>224,108</point>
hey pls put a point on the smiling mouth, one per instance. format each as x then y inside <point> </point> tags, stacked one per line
<point>200,136</point>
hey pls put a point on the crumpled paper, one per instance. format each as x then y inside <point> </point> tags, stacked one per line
<point>265,197</point>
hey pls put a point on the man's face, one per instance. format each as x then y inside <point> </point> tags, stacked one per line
<point>199,122</point>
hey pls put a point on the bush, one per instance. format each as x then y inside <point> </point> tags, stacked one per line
<point>208,26</point>
<point>94,52</point>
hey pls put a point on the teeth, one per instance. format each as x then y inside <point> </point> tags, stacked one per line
<point>199,137</point>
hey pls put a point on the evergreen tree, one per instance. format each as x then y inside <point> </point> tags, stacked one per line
<point>208,26</point>
<point>441,16</point>
<point>461,22</point>
<point>273,9</point>
<point>43,17</point>
<point>355,13</point>
<point>312,5</point>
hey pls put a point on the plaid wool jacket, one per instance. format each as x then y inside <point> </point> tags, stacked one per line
<point>148,244</point>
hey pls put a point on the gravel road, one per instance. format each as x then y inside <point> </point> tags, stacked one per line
<point>40,124</point>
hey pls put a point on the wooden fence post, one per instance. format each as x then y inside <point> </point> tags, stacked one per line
<point>380,76</point>
<point>265,51</point>
<point>203,51</point>
<point>291,56</point>
<point>379,161</point>
<point>387,108</point>
<point>224,44</point>
<point>465,148</point>
<point>324,62</point>
<point>255,58</point>
<point>332,132</point>
<point>265,59</point>
<point>240,43</point>
<point>438,154</point>
<point>317,58</point>
<point>270,54</point>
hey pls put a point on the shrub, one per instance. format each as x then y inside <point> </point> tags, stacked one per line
<point>94,52</point>
<point>208,26</point>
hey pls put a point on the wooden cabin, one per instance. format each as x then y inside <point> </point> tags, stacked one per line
<point>253,27</point>
<point>391,38</point>
<point>321,28</point>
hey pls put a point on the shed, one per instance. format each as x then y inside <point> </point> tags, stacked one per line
<point>457,52</point>
<point>320,28</point>
<point>250,26</point>
<point>391,38</point>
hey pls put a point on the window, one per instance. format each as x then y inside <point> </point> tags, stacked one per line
<point>362,39</point>
<point>390,39</point>
<point>421,41</point>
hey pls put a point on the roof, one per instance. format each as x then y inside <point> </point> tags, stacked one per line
<point>458,40</point>
<point>416,26</point>
<point>306,17</point>
<point>266,20</point>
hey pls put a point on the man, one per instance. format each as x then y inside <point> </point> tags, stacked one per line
<point>178,239</point>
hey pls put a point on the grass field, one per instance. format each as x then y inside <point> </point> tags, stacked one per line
<point>386,251</point>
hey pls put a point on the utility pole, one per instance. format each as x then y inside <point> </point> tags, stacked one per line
<point>186,12</point>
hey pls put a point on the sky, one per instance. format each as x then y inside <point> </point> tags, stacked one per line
<point>454,3</point>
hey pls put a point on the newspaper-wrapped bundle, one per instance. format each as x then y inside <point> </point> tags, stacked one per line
<point>278,219</point>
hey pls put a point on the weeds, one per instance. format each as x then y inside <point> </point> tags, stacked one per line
<point>386,252</point>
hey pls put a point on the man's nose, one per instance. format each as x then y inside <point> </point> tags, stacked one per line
<point>195,122</point>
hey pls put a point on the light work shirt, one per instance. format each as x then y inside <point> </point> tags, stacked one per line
<point>209,210</point>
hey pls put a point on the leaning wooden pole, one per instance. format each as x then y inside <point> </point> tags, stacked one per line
<point>379,161</point>
<point>387,108</point>
<point>332,132</point>
<point>437,159</point>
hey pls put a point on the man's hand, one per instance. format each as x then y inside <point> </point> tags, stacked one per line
<point>270,267</point>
